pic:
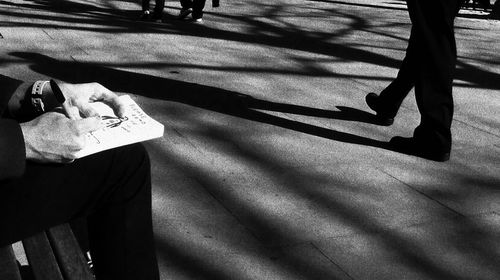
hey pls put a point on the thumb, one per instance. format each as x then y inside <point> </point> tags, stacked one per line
<point>87,125</point>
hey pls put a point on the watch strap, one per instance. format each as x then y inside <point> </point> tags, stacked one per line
<point>37,96</point>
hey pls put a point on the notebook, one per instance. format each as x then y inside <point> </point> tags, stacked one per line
<point>135,126</point>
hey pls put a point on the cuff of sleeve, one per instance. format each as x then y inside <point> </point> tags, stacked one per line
<point>12,150</point>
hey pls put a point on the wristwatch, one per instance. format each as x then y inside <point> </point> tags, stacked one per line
<point>39,101</point>
<point>37,96</point>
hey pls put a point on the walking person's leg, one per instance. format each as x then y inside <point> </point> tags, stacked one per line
<point>389,101</point>
<point>198,6</point>
<point>186,8</point>
<point>145,5</point>
<point>111,188</point>
<point>146,13</point>
<point>436,53</point>
<point>158,10</point>
<point>394,94</point>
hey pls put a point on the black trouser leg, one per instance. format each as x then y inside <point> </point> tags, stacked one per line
<point>145,5</point>
<point>198,6</point>
<point>159,6</point>
<point>121,231</point>
<point>393,95</point>
<point>186,4</point>
<point>112,189</point>
<point>436,53</point>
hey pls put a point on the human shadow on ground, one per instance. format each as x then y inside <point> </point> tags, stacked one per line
<point>244,106</point>
<point>209,98</point>
<point>201,96</point>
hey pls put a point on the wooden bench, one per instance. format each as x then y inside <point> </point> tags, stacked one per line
<point>52,255</point>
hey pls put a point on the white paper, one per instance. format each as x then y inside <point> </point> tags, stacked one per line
<point>135,126</point>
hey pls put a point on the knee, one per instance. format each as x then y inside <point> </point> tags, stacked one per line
<point>134,157</point>
<point>133,168</point>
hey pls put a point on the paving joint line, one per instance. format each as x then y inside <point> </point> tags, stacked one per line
<point>422,193</point>
<point>331,260</point>
<point>475,127</point>
<point>482,214</point>
<point>228,210</point>
<point>47,33</point>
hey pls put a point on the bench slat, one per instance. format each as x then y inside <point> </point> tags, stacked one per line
<point>41,258</point>
<point>8,265</point>
<point>71,260</point>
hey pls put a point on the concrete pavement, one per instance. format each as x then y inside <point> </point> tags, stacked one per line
<point>269,167</point>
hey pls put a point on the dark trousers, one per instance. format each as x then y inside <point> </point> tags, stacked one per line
<point>159,6</point>
<point>428,66</point>
<point>196,5</point>
<point>111,189</point>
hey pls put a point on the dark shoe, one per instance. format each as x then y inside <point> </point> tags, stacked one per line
<point>183,13</point>
<point>412,147</point>
<point>381,117</point>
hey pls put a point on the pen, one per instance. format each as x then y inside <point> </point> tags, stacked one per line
<point>57,91</point>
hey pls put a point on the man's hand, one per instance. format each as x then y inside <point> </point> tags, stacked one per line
<point>52,137</point>
<point>78,97</point>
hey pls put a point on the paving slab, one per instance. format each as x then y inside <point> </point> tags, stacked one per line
<point>459,248</point>
<point>468,189</point>
<point>271,166</point>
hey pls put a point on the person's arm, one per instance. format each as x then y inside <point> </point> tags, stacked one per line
<point>32,100</point>
<point>54,138</point>
<point>50,137</point>
<point>59,132</point>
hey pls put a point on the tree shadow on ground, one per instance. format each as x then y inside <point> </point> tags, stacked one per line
<point>467,237</point>
<point>268,33</point>
<point>111,20</point>
<point>201,96</point>
<point>244,106</point>
<point>374,6</point>
<point>214,99</point>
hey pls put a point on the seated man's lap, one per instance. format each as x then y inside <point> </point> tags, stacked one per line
<point>51,194</point>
